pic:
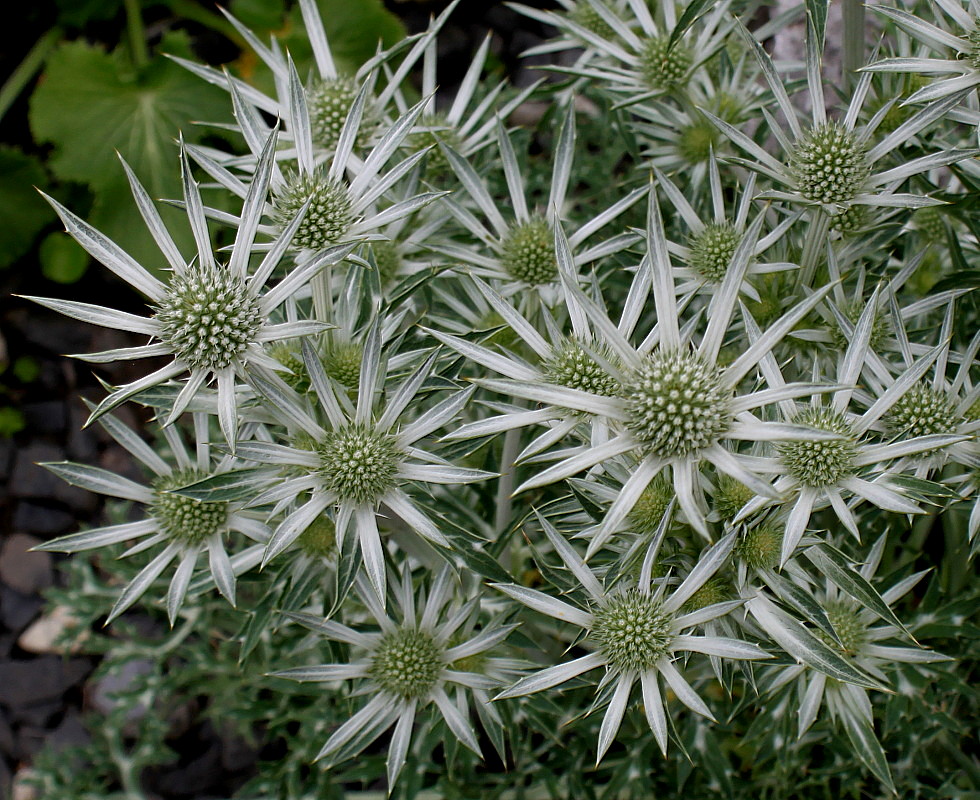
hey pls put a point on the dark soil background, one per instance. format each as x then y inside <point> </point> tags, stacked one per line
<point>42,691</point>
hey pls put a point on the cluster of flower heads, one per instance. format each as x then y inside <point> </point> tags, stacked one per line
<point>421,372</point>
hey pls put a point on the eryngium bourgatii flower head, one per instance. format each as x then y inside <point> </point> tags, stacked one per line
<point>415,660</point>
<point>676,405</point>
<point>521,249</point>
<point>636,634</point>
<point>831,164</point>
<point>819,472</point>
<point>213,317</point>
<point>184,526</point>
<point>958,40</point>
<point>357,460</point>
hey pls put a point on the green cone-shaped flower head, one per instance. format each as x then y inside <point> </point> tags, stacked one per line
<point>407,663</point>
<point>209,317</point>
<point>358,464</point>
<point>676,404</point>
<point>632,631</point>
<point>183,518</point>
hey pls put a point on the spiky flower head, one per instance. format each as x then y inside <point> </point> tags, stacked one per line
<point>328,217</point>
<point>649,509</point>
<point>665,67</point>
<point>342,362</point>
<point>358,464</point>
<point>185,519</point>
<point>387,259</point>
<point>880,327</point>
<point>820,463</point>
<point>208,317</point>
<point>297,377</point>
<point>319,540</point>
<point>407,663</point>
<point>929,222</point>
<point>760,547</point>
<point>329,102</point>
<point>711,250</point>
<point>574,366</point>
<point>730,496</point>
<point>528,252</point>
<point>847,624</point>
<point>973,37</point>
<point>632,631</point>
<point>697,140</point>
<point>830,164</point>
<point>676,404</point>
<point>921,411</point>
<point>852,220</point>
<point>715,590</point>
<point>435,129</point>
<point>586,16</point>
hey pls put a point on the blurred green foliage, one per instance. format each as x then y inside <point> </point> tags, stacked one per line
<point>100,83</point>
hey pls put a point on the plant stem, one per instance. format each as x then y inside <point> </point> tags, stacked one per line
<point>137,35</point>
<point>25,70</point>
<point>852,57</point>
<point>201,15</point>
<point>505,485</point>
<point>814,246</point>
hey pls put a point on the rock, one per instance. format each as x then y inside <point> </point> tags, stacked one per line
<point>22,570</point>
<point>47,416</point>
<point>8,744</point>
<point>5,780</point>
<point>23,786</point>
<point>42,519</point>
<point>17,610</point>
<point>29,479</point>
<point>34,721</point>
<point>101,694</point>
<point>44,634</point>
<point>29,682</point>
<point>70,733</point>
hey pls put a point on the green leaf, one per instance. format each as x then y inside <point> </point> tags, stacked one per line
<point>817,12</point>
<point>834,565</point>
<point>22,209</point>
<point>470,548</point>
<point>91,103</point>
<point>869,749</point>
<point>691,14</point>
<point>259,15</point>
<point>62,259</point>
<point>239,484</point>
<point>802,645</point>
<point>353,30</point>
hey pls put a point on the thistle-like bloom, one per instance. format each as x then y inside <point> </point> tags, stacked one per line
<point>521,251</point>
<point>184,527</point>
<point>677,403</point>
<point>213,317</point>
<point>416,659</point>
<point>636,633</point>
<point>711,245</point>
<point>359,459</point>
<point>817,473</point>
<point>632,55</point>
<point>859,633</point>
<point>939,405</point>
<point>831,164</point>
<point>330,93</point>
<point>956,74</point>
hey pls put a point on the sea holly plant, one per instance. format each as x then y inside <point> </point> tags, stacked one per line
<point>553,481</point>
